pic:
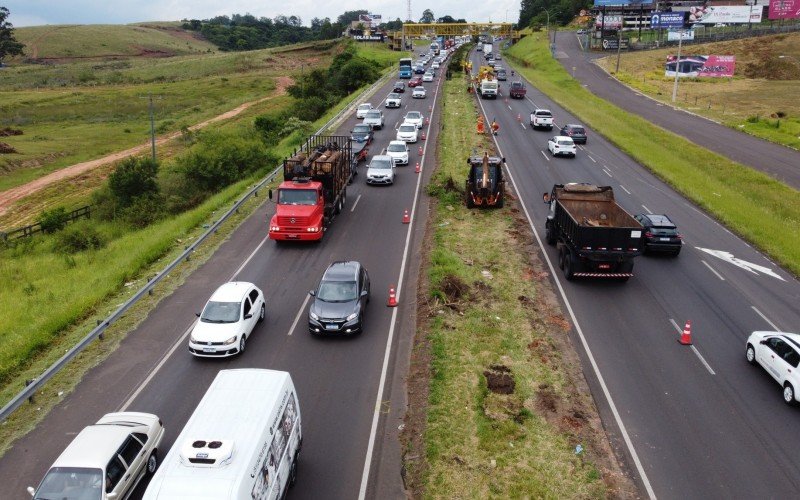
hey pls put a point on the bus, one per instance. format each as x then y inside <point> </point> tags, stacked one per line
<point>405,67</point>
<point>435,48</point>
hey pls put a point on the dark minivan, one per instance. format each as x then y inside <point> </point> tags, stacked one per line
<point>340,300</point>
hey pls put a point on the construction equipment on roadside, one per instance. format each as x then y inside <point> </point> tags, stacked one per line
<point>485,185</point>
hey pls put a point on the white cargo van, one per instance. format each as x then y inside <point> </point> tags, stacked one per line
<point>242,442</point>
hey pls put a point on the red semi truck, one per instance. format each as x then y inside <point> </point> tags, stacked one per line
<point>314,188</point>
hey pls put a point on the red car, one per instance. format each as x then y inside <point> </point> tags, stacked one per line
<point>417,80</point>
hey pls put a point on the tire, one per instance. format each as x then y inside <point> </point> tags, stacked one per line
<point>788,394</point>
<point>676,253</point>
<point>549,235</point>
<point>152,463</point>
<point>468,199</point>
<point>569,266</point>
<point>750,354</point>
<point>500,201</point>
<point>561,258</point>
<point>338,208</point>
<point>263,313</point>
<point>242,344</point>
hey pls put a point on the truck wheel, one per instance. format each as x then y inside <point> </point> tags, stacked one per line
<point>500,201</point>
<point>569,266</point>
<point>561,258</point>
<point>550,237</point>
<point>468,199</point>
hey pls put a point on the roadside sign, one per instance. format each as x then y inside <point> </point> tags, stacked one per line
<point>667,19</point>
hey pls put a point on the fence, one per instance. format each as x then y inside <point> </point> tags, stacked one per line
<point>30,390</point>
<point>30,230</point>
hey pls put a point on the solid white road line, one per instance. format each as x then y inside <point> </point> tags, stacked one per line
<point>712,270</point>
<point>600,380</point>
<point>362,492</point>
<point>774,327</point>
<point>647,209</point>
<point>694,349</point>
<point>299,313</point>
<point>545,156</point>
<point>356,203</point>
<point>623,188</point>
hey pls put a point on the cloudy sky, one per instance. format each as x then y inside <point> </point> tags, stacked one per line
<point>39,12</point>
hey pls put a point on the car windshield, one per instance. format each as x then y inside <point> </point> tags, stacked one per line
<point>565,143</point>
<point>71,483</point>
<point>664,231</point>
<point>297,197</point>
<point>220,312</point>
<point>364,106</point>
<point>396,148</point>
<point>578,130</point>
<point>361,129</point>
<point>337,291</point>
<point>408,128</point>
<point>419,90</point>
<point>380,163</point>
<point>543,113</point>
<point>373,114</point>
<point>394,96</point>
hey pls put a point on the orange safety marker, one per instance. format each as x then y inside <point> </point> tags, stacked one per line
<point>417,169</point>
<point>406,217</point>
<point>422,137</point>
<point>686,335</point>
<point>519,117</point>
<point>392,302</point>
<point>420,150</point>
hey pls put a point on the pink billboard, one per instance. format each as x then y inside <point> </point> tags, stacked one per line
<point>784,9</point>
<point>701,66</point>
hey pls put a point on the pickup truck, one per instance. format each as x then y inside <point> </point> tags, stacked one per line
<point>542,118</point>
<point>517,90</point>
<point>374,118</point>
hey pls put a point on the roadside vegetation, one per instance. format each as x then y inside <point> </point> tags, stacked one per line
<point>507,408</point>
<point>762,98</point>
<point>750,203</point>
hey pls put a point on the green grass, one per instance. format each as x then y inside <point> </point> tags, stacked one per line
<point>479,444</point>
<point>750,203</point>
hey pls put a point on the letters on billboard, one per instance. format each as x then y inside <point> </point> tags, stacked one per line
<point>611,22</point>
<point>609,3</point>
<point>784,9</point>
<point>725,14</point>
<point>701,66</point>
<point>675,35</point>
<point>667,19</point>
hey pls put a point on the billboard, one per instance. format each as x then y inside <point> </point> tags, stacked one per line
<point>610,3</point>
<point>610,23</point>
<point>370,19</point>
<point>701,66</point>
<point>784,9</point>
<point>667,19</point>
<point>725,14</point>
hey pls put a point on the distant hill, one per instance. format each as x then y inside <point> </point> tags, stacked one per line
<point>99,41</point>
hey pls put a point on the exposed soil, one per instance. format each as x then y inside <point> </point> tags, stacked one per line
<point>6,148</point>
<point>11,196</point>
<point>499,379</point>
<point>8,131</point>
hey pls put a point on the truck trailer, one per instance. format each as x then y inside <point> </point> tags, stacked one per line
<point>595,237</point>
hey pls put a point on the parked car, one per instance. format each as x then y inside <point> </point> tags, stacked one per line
<point>340,300</point>
<point>374,118</point>
<point>660,234</point>
<point>380,170</point>
<point>399,87</point>
<point>393,100</point>
<point>427,77</point>
<point>417,80</point>
<point>419,93</point>
<point>361,133</point>
<point>577,132</point>
<point>398,150</point>
<point>407,132</point>
<point>362,109</point>
<point>105,460</point>
<point>779,354</point>
<point>227,320</point>
<point>414,117</point>
<point>561,145</point>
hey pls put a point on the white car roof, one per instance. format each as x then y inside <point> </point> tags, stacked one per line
<point>94,446</point>
<point>365,105</point>
<point>563,138</point>
<point>397,143</point>
<point>409,124</point>
<point>233,291</point>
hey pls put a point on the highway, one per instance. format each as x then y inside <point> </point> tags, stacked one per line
<point>693,421</point>
<point>337,379</point>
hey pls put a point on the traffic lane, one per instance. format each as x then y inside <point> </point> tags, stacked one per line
<point>778,161</point>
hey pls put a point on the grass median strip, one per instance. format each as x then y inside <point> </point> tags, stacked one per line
<point>752,204</point>
<point>508,413</point>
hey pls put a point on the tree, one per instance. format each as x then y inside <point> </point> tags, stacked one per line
<point>395,25</point>
<point>427,16</point>
<point>446,19</point>
<point>350,16</point>
<point>132,178</point>
<point>9,46</point>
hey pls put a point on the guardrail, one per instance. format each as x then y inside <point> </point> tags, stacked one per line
<point>33,385</point>
<point>31,229</point>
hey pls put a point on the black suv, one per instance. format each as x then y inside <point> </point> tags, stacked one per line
<point>577,132</point>
<point>661,234</point>
<point>340,300</point>
<point>399,87</point>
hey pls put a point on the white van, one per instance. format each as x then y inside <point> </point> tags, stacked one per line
<point>242,442</point>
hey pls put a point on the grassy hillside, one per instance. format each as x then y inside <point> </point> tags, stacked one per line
<point>101,41</point>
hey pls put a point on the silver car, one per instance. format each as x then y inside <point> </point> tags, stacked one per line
<point>380,170</point>
<point>374,118</point>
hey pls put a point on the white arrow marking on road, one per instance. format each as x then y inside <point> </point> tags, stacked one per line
<point>747,266</point>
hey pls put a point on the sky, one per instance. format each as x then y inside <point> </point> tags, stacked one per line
<point>40,12</point>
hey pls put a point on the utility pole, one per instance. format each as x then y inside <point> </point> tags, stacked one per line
<point>152,125</point>
<point>619,50</point>
<point>677,65</point>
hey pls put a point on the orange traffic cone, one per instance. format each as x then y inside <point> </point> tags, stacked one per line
<point>427,120</point>
<point>519,117</point>
<point>422,137</point>
<point>686,335</point>
<point>392,297</point>
<point>417,169</point>
<point>420,150</point>
<point>406,217</point>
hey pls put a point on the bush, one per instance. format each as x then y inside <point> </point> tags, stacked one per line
<point>144,210</point>
<point>78,238</point>
<point>269,126</point>
<point>132,178</point>
<point>54,220</point>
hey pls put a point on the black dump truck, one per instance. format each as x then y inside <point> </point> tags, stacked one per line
<point>485,186</point>
<point>595,237</point>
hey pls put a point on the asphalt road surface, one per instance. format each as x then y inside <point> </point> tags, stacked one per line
<point>694,421</point>
<point>778,161</point>
<point>337,379</point>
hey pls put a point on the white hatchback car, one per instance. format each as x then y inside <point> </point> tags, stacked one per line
<point>380,170</point>
<point>398,150</point>
<point>407,132</point>
<point>561,145</point>
<point>779,354</point>
<point>419,93</point>
<point>414,117</point>
<point>105,460</point>
<point>362,109</point>
<point>227,320</point>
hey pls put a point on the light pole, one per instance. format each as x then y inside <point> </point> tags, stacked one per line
<point>677,65</point>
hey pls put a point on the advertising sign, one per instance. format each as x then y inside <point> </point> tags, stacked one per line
<point>701,66</point>
<point>370,19</point>
<point>675,35</point>
<point>369,38</point>
<point>611,22</point>
<point>725,14</point>
<point>667,19</point>
<point>601,3</point>
<point>784,9</point>
<point>613,43</point>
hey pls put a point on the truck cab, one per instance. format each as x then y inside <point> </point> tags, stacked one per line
<point>299,211</point>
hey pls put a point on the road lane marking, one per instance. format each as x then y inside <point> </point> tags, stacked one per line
<point>647,209</point>
<point>354,204</point>
<point>712,270</point>
<point>299,313</point>
<point>545,156</point>
<point>600,380</point>
<point>743,264</point>
<point>774,327</point>
<point>607,173</point>
<point>523,126</point>
<point>694,349</point>
<point>624,189</point>
<point>592,159</point>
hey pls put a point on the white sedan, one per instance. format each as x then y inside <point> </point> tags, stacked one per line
<point>227,320</point>
<point>561,145</point>
<point>427,77</point>
<point>779,354</point>
<point>398,151</point>
<point>414,117</point>
<point>362,109</point>
<point>419,93</point>
<point>435,65</point>
<point>407,132</point>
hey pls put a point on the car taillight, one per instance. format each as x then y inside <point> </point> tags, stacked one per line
<point>648,234</point>
<point>679,236</point>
